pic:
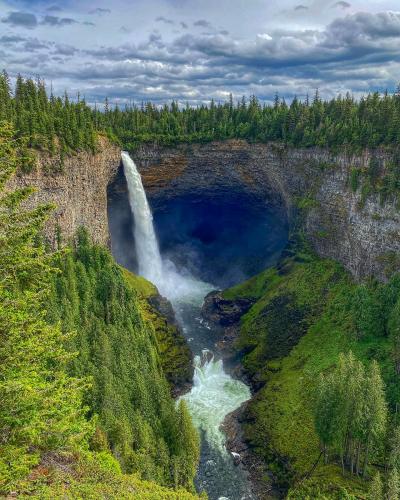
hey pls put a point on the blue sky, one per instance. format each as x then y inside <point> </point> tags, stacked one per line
<point>197,50</point>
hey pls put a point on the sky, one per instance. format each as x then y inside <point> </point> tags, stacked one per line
<point>196,50</point>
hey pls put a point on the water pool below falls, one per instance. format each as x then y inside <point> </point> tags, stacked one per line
<point>214,393</point>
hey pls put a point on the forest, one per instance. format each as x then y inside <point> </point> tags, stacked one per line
<point>84,400</point>
<point>62,123</point>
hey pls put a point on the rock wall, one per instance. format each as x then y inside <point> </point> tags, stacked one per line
<point>79,190</point>
<point>362,238</point>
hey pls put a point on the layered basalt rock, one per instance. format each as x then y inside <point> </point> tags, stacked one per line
<point>363,237</point>
<point>313,182</point>
<point>77,186</point>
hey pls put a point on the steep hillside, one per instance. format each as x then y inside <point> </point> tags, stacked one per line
<point>305,312</point>
<point>83,392</point>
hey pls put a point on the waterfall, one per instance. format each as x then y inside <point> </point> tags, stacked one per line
<point>214,393</point>
<point>148,253</point>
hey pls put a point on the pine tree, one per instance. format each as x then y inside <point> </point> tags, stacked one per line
<point>376,488</point>
<point>393,485</point>
<point>41,407</point>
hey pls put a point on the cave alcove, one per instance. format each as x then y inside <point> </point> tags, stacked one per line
<point>221,237</point>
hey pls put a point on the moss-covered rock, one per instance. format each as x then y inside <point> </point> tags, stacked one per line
<point>174,353</point>
<point>300,322</point>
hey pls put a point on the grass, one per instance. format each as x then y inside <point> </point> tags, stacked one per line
<point>301,321</point>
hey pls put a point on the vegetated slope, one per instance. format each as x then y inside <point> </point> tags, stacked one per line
<point>174,352</point>
<point>306,312</point>
<point>70,400</point>
<point>118,349</point>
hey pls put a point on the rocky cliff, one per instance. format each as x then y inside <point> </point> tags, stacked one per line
<point>77,185</point>
<point>363,237</point>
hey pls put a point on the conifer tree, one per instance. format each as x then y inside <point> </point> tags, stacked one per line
<point>393,485</point>
<point>376,488</point>
<point>41,407</point>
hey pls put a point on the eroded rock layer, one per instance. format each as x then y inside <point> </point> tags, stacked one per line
<point>362,236</point>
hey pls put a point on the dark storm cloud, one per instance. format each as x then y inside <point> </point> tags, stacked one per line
<point>22,19</point>
<point>58,21</point>
<point>183,25</point>
<point>342,5</point>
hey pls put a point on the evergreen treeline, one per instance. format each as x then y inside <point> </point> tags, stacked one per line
<point>46,122</point>
<point>137,418</point>
<point>372,121</point>
<point>56,123</point>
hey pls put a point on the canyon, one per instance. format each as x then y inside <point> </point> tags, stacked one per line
<point>304,188</point>
<point>230,187</point>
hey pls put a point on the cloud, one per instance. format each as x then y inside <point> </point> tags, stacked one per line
<point>354,52</point>
<point>202,23</point>
<point>11,39</point>
<point>300,7</point>
<point>89,23</point>
<point>99,11</point>
<point>58,21</point>
<point>162,19</point>
<point>342,5</point>
<point>363,28</point>
<point>54,8</point>
<point>22,19</point>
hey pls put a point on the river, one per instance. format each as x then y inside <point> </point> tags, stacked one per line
<point>214,393</point>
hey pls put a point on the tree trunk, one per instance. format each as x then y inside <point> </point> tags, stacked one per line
<point>366,459</point>
<point>358,459</point>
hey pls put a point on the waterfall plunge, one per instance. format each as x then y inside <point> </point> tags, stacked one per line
<point>171,283</point>
<point>148,253</point>
<point>214,393</point>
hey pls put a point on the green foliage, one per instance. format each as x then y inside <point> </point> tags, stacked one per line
<point>41,406</point>
<point>370,122</point>
<point>91,476</point>
<point>337,316</point>
<point>42,122</point>
<point>375,491</point>
<point>350,412</point>
<point>118,349</point>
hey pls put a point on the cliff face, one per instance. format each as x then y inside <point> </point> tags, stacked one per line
<point>79,190</point>
<point>362,238</point>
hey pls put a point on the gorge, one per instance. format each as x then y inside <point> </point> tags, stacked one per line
<point>223,212</point>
